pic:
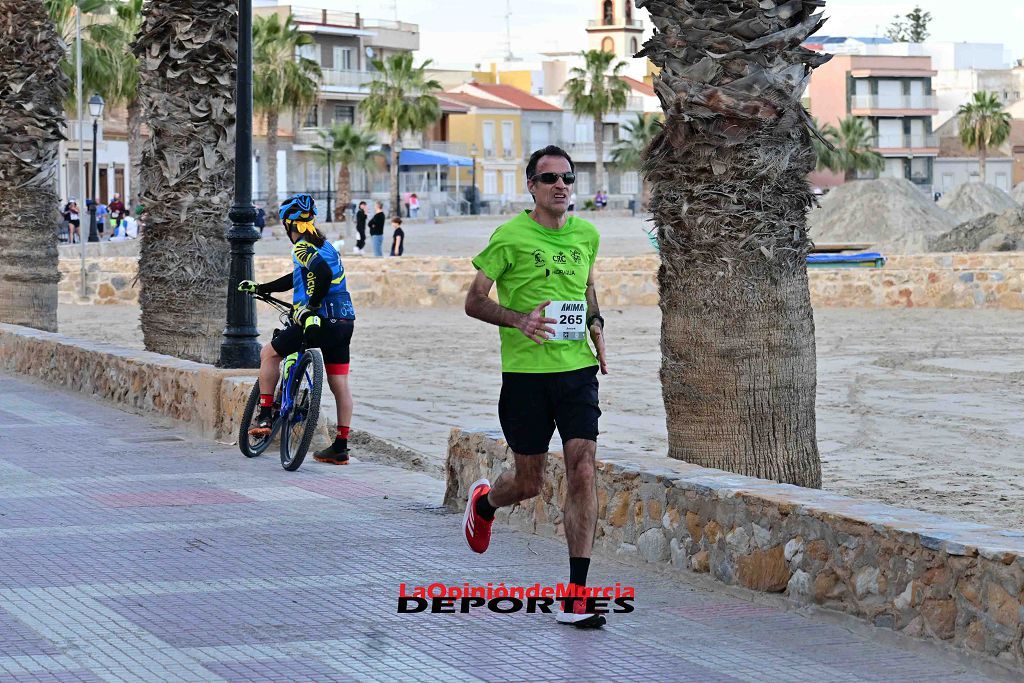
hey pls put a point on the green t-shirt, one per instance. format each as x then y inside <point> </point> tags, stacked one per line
<point>532,264</point>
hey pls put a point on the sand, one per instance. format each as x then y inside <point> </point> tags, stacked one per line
<point>917,408</point>
<point>891,214</point>
<point>990,232</point>
<point>973,200</point>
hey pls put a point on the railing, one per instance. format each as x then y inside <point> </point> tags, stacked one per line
<point>73,136</point>
<point>628,24</point>
<point>341,78</point>
<point>389,25</point>
<point>308,136</point>
<point>905,141</point>
<point>589,149</point>
<point>310,15</point>
<point>893,102</point>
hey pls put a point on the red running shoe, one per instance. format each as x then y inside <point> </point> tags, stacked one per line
<point>578,616</point>
<point>478,529</point>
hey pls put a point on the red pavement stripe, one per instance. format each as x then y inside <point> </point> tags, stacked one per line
<point>180,497</point>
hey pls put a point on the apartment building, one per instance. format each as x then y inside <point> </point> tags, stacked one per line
<point>894,95</point>
<point>345,45</point>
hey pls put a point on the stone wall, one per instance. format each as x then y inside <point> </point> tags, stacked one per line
<point>921,574</point>
<point>926,280</point>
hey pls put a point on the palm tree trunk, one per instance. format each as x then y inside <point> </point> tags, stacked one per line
<point>187,174</point>
<point>273,117</point>
<point>134,151</point>
<point>31,117</point>
<point>599,153</point>
<point>982,154</point>
<point>730,197</point>
<point>344,187</point>
<point>396,210</point>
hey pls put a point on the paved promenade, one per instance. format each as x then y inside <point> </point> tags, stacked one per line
<point>134,552</point>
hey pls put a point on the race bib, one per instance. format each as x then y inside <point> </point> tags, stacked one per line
<point>570,320</point>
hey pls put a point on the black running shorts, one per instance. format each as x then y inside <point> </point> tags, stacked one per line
<point>532,405</point>
<point>333,339</point>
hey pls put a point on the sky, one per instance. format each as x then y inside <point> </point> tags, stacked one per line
<point>458,33</point>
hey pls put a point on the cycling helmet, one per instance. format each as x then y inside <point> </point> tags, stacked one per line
<point>299,208</point>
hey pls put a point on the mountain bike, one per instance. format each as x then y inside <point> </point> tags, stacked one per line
<point>296,402</point>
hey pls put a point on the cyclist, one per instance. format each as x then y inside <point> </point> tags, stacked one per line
<point>322,311</point>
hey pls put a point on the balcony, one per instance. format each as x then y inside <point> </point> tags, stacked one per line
<point>911,142</point>
<point>861,104</point>
<point>308,136</point>
<point>587,151</point>
<point>310,15</point>
<point>71,132</point>
<point>340,79</point>
<point>594,23</point>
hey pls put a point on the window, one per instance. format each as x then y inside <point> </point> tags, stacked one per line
<point>584,131</point>
<point>582,186</point>
<point>919,168</point>
<point>489,139</point>
<point>630,183</point>
<point>311,118</point>
<point>890,133</point>
<point>310,52</point>
<point>634,45</point>
<point>344,113</point>
<point>343,58</point>
<point>629,12</point>
<point>1002,182</point>
<point>611,132</point>
<point>608,16</point>
<point>490,182</point>
<point>540,135</point>
<point>893,169</point>
<point>607,45</point>
<point>507,138</point>
<point>947,182</point>
<point>890,94</point>
<point>508,184</point>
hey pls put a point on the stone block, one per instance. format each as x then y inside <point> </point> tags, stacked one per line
<point>940,617</point>
<point>764,570</point>
<point>653,546</point>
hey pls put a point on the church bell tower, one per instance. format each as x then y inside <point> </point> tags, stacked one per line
<point>615,30</point>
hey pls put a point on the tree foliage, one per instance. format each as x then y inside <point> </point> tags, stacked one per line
<point>911,27</point>
<point>850,150</point>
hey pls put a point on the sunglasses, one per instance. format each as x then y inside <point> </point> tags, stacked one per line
<point>552,178</point>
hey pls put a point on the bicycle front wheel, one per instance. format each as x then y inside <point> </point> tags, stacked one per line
<point>299,425</point>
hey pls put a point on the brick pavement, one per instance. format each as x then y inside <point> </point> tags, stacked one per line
<point>132,552</point>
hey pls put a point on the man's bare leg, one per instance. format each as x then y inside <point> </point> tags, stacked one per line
<point>580,509</point>
<point>522,483</point>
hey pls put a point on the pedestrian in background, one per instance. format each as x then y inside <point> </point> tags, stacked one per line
<point>377,230</point>
<point>116,208</point>
<point>414,206</point>
<point>360,228</point>
<point>398,239</point>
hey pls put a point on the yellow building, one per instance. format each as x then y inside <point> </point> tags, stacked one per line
<point>494,129</point>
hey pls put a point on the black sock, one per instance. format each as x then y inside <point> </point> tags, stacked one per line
<point>485,509</point>
<point>340,444</point>
<point>578,568</point>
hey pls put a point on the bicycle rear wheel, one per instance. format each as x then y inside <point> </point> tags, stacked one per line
<point>299,424</point>
<point>253,446</point>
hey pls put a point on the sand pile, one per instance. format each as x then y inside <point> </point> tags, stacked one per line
<point>973,200</point>
<point>1018,194</point>
<point>890,214</point>
<point>991,232</point>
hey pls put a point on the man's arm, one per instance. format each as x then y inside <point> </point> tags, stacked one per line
<point>596,325</point>
<point>479,305</point>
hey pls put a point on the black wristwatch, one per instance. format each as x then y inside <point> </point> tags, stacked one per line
<point>591,319</point>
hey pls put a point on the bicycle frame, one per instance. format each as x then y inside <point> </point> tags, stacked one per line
<point>290,362</point>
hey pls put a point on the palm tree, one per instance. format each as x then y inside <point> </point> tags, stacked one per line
<point>281,80</point>
<point>628,152</point>
<point>94,65</point>
<point>187,85</point>
<point>850,150</point>
<point>34,86</point>
<point>597,90</point>
<point>402,100</point>
<point>120,81</point>
<point>729,198</point>
<point>983,125</point>
<point>350,148</point>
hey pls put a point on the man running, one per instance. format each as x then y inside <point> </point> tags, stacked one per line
<point>322,310</point>
<point>543,263</point>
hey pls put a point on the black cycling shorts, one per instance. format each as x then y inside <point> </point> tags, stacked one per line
<point>333,339</point>
<point>532,405</point>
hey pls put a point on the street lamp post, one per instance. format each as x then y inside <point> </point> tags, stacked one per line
<point>240,348</point>
<point>474,204</point>
<point>330,173</point>
<point>96,111</point>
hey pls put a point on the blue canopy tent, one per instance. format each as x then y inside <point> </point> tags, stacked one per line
<point>429,157</point>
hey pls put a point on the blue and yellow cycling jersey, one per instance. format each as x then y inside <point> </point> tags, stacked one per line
<point>305,257</point>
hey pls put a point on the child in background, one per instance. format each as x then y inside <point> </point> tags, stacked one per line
<point>398,240</point>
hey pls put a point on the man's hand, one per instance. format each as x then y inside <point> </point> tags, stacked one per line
<point>535,326</point>
<point>597,336</point>
<point>248,286</point>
